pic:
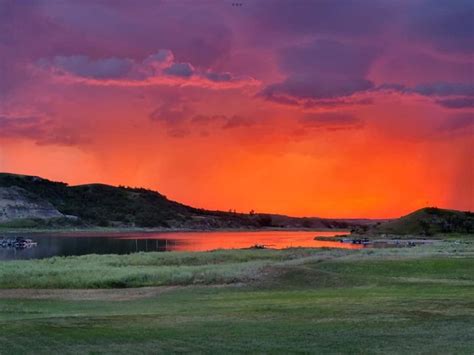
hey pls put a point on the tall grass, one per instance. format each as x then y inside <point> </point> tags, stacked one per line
<point>144,269</point>
<point>187,268</point>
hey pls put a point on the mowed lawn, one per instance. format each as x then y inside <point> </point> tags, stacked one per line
<point>389,301</point>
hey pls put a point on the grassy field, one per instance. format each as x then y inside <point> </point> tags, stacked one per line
<point>147,269</point>
<point>407,300</point>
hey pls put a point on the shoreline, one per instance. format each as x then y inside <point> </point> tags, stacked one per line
<point>160,230</point>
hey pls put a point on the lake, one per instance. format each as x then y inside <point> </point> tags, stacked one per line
<point>81,243</point>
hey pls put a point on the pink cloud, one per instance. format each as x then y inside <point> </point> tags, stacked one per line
<point>155,70</point>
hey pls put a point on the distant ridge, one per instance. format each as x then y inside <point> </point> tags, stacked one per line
<point>103,205</point>
<point>428,221</point>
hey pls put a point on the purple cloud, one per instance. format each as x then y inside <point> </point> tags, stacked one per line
<point>21,126</point>
<point>42,130</point>
<point>322,69</point>
<point>172,111</point>
<point>161,59</point>
<point>155,69</point>
<point>458,123</point>
<point>443,89</point>
<point>459,102</point>
<point>447,25</point>
<point>181,116</point>
<point>236,121</point>
<point>299,17</point>
<point>218,77</point>
<point>207,119</point>
<point>305,88</point>
<point>331,120</point>
<point>448,95</point>
<point>184,70</point>
<point>331,57</point>
<point>80,65</point>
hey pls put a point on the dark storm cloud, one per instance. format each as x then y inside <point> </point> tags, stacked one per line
<point>447,25</point>
<point>301,87</point>
<point>337,43</point>
<point>337,68</point>
<point>219,77</point>
<point>24,37</point>
<point>31,30</point>
<point>461,102</point>
<point>448,95</point>
<point>340,102</point>
<point>327,56</point>
<point>81,65</point>
<point>441,89</point>
<point>322,69</point>
<point>184,70</point>
<point>196,34</point>
<point>155,69</point>
<point>324,16</point>
<point>444,89</point>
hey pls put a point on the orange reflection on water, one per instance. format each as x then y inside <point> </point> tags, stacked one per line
<point>204,241</point>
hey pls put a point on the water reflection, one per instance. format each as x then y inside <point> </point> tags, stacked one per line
<point>80,243</point>
<point>199,241</point>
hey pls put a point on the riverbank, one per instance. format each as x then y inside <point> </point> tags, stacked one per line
<point>7,230</point>
<point>404,300</point>
<point>401,237</point>
<point>195,268</point>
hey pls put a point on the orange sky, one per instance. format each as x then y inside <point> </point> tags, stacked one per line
<point>276,166</point>
<point>242,112</point>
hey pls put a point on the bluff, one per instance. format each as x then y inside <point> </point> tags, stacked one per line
<point>105,205</point>
<point>18,203</point>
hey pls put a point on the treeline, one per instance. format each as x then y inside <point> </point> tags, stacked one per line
<point>109,206</point>
<point>104,205</point>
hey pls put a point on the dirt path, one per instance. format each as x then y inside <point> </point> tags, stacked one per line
<point>100,294</point>
<point>121,294</point>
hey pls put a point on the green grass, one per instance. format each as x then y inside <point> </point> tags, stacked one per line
<point>146,269</point>
<point>185,268</point>
<point>414,300</point>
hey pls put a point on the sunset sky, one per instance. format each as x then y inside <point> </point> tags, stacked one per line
<point>317,108</point>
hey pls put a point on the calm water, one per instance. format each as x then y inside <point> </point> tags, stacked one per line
<point>64,244</point>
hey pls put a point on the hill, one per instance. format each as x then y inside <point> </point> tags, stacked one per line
<point>105,205</point>
<point>17,203</point>
<point>426,221</point>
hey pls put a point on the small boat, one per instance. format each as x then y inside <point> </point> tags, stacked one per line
<point>18,243</point>
<point>346,240</point>
<point>364,241</point>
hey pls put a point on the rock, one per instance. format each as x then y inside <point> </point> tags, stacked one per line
<point>17,203</point>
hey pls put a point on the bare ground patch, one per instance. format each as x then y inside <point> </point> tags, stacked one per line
<point>118,294</point>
